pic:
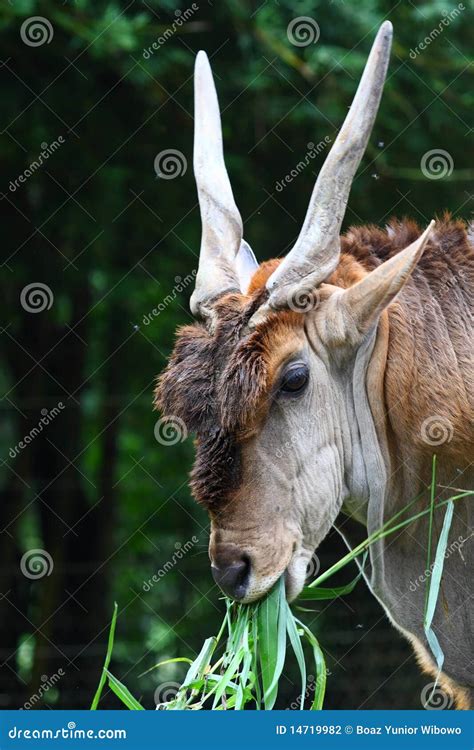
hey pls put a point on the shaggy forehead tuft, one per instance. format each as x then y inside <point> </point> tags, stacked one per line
<point>216,383</point>
<point>215,380</point>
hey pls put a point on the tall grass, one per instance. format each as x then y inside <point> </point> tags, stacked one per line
<point>241,666</point>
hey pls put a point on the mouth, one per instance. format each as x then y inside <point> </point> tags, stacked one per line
<point>295,573</point>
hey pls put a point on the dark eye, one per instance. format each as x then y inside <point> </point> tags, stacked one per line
<point>294,379</point>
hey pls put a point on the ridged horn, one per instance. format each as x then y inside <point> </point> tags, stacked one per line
<point>220,218</point>
<point>316,252</point>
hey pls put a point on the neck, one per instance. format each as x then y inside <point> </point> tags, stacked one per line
<point>369,469</point>
<point>407,405</point>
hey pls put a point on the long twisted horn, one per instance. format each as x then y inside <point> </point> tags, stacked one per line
<point>316,252</point>
<point>221,222</point>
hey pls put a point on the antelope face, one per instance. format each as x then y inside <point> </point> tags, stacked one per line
<point>263,379</point>
<point>269,452</point>
<point>285,485</point>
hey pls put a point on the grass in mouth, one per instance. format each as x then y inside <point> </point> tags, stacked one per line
<point>253,639</point>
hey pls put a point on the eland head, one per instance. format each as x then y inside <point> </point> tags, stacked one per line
<point>268,379</point>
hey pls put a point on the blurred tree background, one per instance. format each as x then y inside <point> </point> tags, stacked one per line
<point>104,92</point>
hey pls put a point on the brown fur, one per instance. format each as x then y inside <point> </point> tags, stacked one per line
<point>218,383</point>
<point>429,371</point>
<point>456,695</point>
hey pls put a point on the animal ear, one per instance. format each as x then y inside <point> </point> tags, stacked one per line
<point>364,302</point>
<point>245,265</point>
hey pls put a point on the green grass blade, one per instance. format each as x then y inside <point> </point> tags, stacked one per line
<point>271,642</point>
<point>229,673</point>
<point>321,672</point>
<point>434,586</point>
<point>255,660</point>
<point>108,656</point>
<point>201,663</point>
<point>295,641</point>
<point>380,534</point>
<point>176,660</point>
<point>123,693</point>
<point>430,523</point>
<point>321,593</point>
<point>243,694</point>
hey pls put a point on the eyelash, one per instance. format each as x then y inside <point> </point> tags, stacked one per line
<point>296,370</point>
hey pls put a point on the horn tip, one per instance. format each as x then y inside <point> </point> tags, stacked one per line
<point>386,29</point>
<point>429,228</point>
<point>202,60</point>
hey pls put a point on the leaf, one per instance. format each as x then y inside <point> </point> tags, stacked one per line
<point>320,673</point>
<point>434,586</point>
<point>227,676</point>
<point>319,593</point>
<point>386,530</point>
<point>108,656</point>
<point>201,662</point>
<point>271,624</point>
<point>123,693</point>
<point>167,661</point>
<point>434,582</point>
<point>255,659</point>
<point>295,641</point>
<point>243,693</point>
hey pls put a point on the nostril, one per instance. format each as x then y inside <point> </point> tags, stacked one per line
<point>233,578</point>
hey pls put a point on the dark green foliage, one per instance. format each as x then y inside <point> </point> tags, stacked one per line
<point>96,490</point>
